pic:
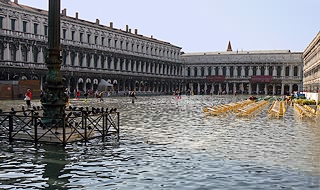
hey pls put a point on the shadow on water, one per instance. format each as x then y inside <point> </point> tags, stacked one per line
<point>168,143</point>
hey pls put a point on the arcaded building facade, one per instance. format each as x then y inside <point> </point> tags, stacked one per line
<point>130,61</point>
<point>311,68</point>
<point>90,52</point>
<point>250,72</point>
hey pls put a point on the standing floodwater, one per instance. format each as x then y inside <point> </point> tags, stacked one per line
<point>168,143</point>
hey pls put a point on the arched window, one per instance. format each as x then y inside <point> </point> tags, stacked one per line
<point>216,71</point>
<point>24,53</point>
<point>254,70</point>
<point>13,53</point>
<point>137,66</point>
<point>188,71</point>
<point>45,53</point>
<point>195,71</point>
<point>96,59</point>
<point>72,58</point>
<point>287,70</point>
<point>224,71</point>
<point>202,71</point>
<point>147,67</point>
<point>88,57</point>
<point>239,71</point>
<point>246,71</point>
<point>1,51</point>
<point>295,71</point>
<point>102,61</point>
<point>80,55</point>
<point>270,70</point>
<point>127,65</point>
<point>109,62</point>
<point>279,71</point>
<point>64,58</point>
<point>231,71</point>
<point>262,69</point>
<point>35,55</point>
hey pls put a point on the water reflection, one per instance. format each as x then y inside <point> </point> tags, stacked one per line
<point>169,144</point>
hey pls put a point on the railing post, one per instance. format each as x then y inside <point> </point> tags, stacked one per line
<point>84,122</point>
<point>107,115</point>
<point>118,127</point>
<point>35,129</point>
<point>64,132</point>
<point>10,127</point>
<point>103,129</point>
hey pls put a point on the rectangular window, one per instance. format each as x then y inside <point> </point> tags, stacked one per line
<point>96,40</point>
<point>72,35</point>
<point>81,37</point>
<point>46,30</point>
<point>121,43</point>
<point>102,41</point>
<point>115,43</point>
<point>24,26</point>
<point>127,46</point>
<point>109,42</point>
<point>13,24</point>
<point>1,22</point>
<point>35,28</point>
<point>88,38</point>
<point>64,33</point>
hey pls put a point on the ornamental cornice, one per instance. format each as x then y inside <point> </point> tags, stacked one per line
<point>13,14</point>
<point>36,19</point>
<point>64,25</point>
<point>3,11</point>
<point>25,17</point>
<point>73,28</point>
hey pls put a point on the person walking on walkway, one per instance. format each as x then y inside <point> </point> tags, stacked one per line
<point>28,97</point>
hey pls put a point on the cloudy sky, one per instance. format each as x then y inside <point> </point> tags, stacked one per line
<point>207,25</point>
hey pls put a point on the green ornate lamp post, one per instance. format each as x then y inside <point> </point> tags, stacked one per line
<point>54,98</point>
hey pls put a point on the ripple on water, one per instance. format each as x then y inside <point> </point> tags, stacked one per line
<point>169,144</point>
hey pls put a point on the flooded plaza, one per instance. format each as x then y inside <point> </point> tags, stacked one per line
<point>169,143</point>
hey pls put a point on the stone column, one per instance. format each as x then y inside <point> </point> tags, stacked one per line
<point>242,71</point>
<point>227,88</point>
<point>205,88</point>
<point>274,73</point>
<point>258,70</point>
<point>235,72</point>
<point>228,71</point>
<point>266,89</point>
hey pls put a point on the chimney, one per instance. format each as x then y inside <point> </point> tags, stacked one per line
<point>136,31</point>
<point>111,24</point>
<point>97,21</point>
<point>127,28</point>
<point>16,2</point>
<point>77,15</point>
<point>64,12</point>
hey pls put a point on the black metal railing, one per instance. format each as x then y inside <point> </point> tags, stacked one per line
<point>78,125</point>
